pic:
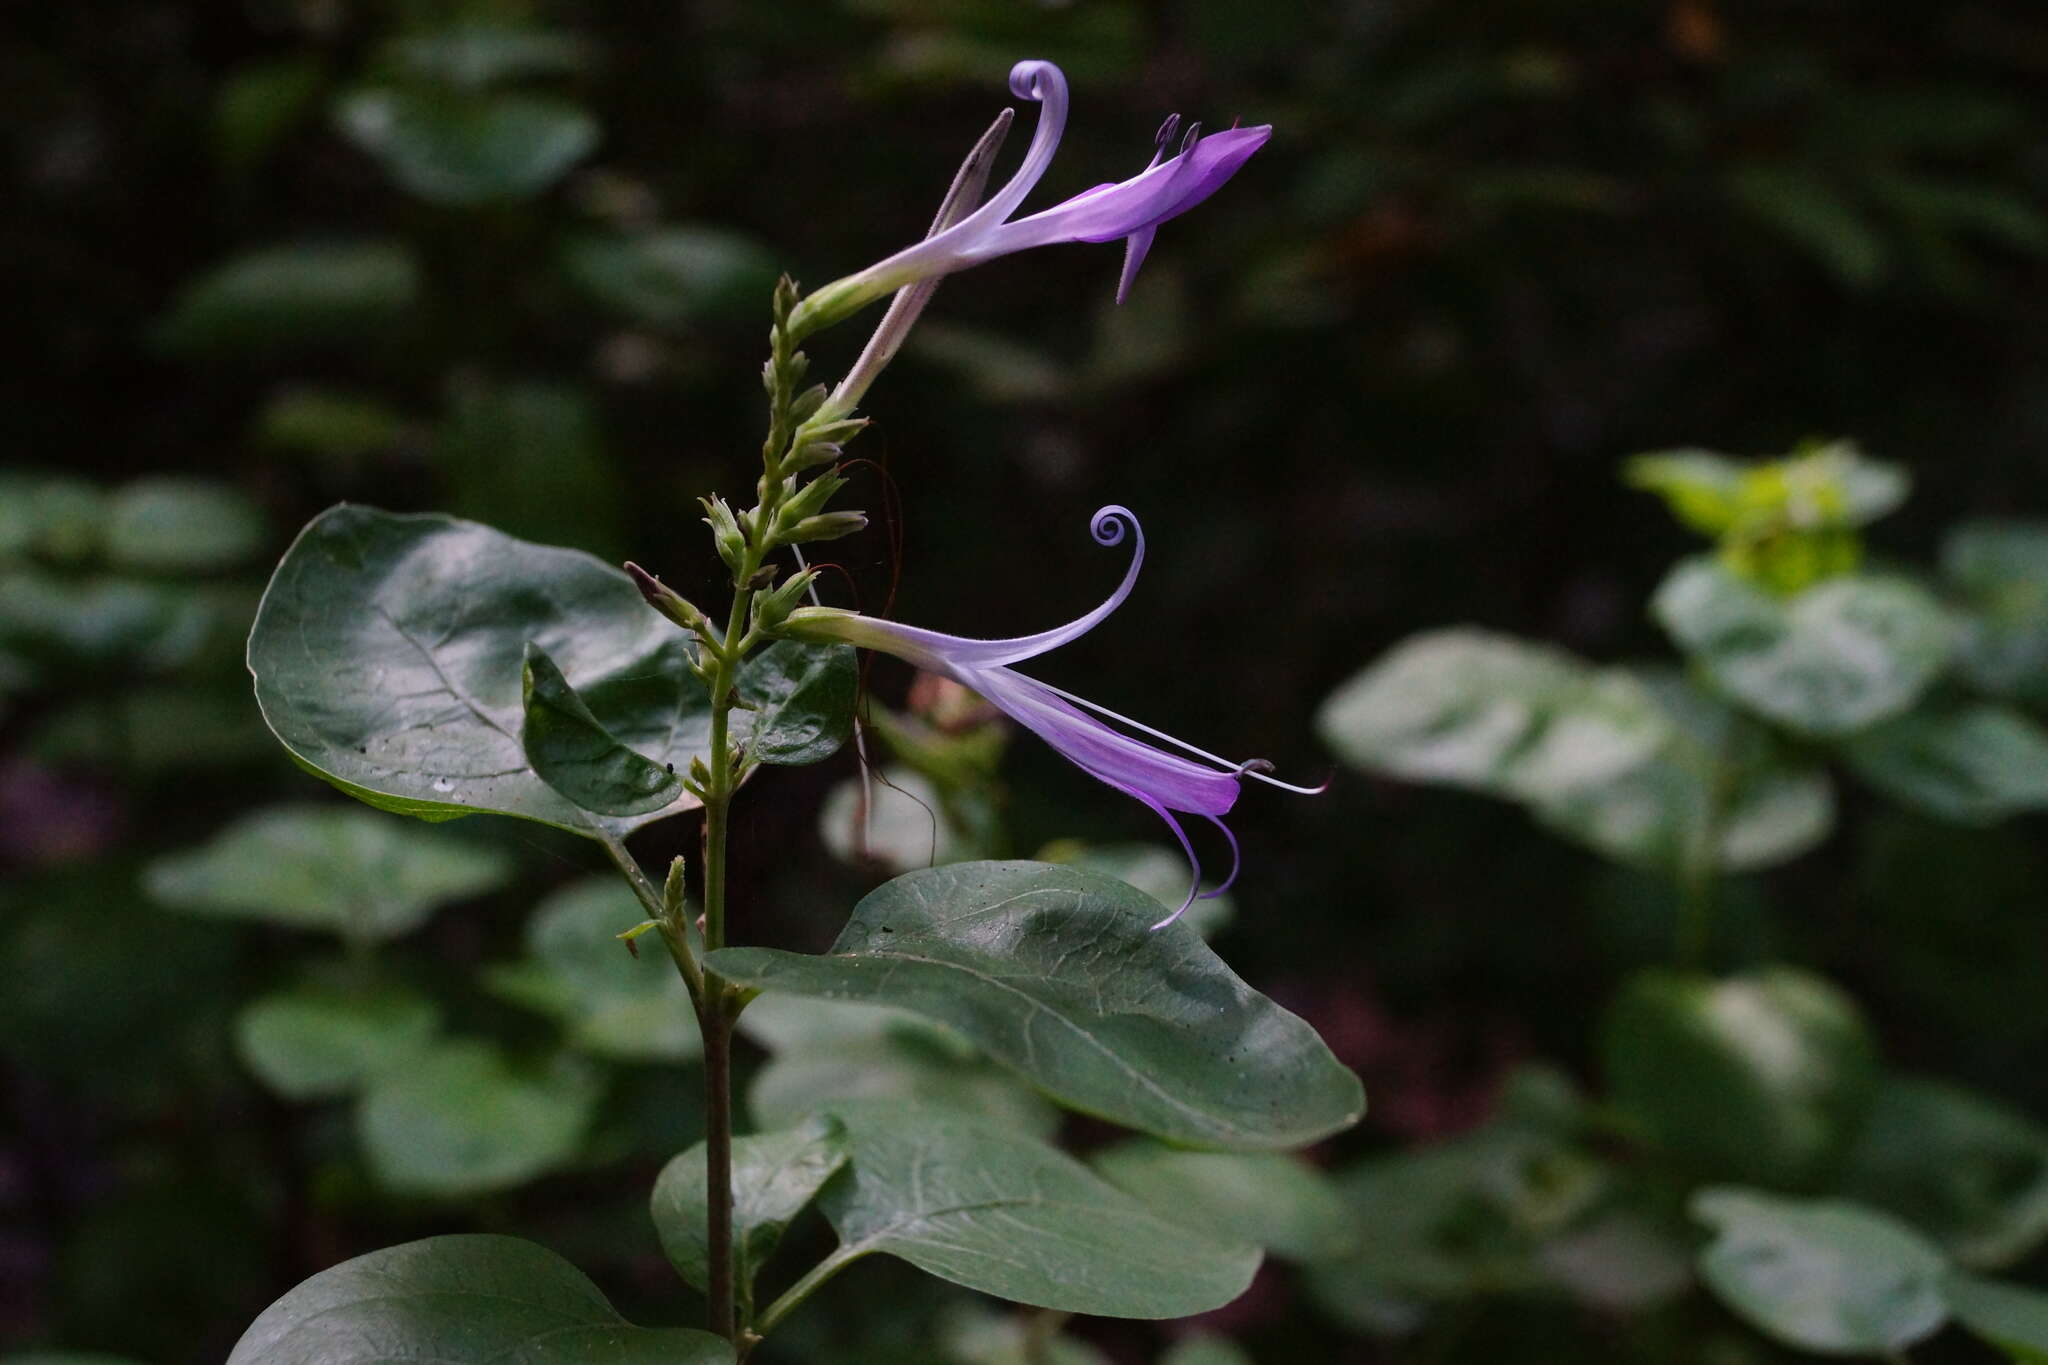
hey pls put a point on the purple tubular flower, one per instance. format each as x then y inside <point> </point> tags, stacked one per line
<point>1166,782</point>
<point>1131,209</point>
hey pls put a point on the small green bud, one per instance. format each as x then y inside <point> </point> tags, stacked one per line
<point>699,774</point>
<point>807,403</point>
<point>771,609</point>
<point>807,501</point>
<point>672,888</point>
<point>725,532</point>
<point>764,576</point>
<point>813,454</point>
<point>824,526</point>
<point>786,296</point>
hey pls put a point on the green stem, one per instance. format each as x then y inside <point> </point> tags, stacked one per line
<point>716,1024</point>
<point>813,1279</point>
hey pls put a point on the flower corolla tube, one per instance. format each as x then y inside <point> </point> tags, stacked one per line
<point>1130,210</point>
<point>1092,737</point>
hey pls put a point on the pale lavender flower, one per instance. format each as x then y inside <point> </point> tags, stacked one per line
<point>1131,209</point>
<point>1166,782</point>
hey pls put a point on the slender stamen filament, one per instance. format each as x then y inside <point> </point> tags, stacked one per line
<point>1258,769</point>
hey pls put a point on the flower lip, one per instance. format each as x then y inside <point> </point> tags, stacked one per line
<point>1093,738</point>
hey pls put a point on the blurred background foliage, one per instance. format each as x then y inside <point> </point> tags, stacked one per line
<point>511,260</point>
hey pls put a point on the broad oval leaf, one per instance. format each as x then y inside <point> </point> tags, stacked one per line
<point>1273,1199</point>
<point>982,1206</point>
<point>1974,765</point>
<point>774,1177</point>
<point>313,293</point>
<point>181,525</point>
<point>1057,973</point>
<point>1761,1078</point>
<point>612,1002</point>
<point>1820,1275</point>
<point>317,1041</point>
<point>2000,570</point>
<point>460,1119</point>
<point>1969,1173</point>
<point>1495,714</point>
<point>1718,770</point>
<point>389,653</point>
<point>2012,1318</point>
<point>572,752</point>
<point>462,1300</point>
<point>1827,661</point>
<point>334,868</point>
<point>459,148</point>
<point>675,276</point>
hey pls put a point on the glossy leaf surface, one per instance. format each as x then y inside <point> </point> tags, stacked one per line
<point>461,1300</point>
<point>1057,973</point>
<point>977,1204</point>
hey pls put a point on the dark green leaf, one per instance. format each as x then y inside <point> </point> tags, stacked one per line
<point>2000,569</point>
<point>2011,1318</point>
<point>330,868</point>
<point>1970,1174</point>
<point>316,1042</point>
<point>460,149</point>
<point>388,659</point>
<point>1832,659</point>
<point>827,1051</point>
<point>1975,765</point>
<point>1495,714</point>
<point>1820,1276</point>
<point>572,752</point>
<point>181,525</point>
<point>615,1004</point>
<point>1278,1201</point>
<point>69,625</point>
<point>1205,1349</point>
<point>1764,1077</point>
<point>774,1178</point>
<point>294,296</point>
<point>1812,214</point>
<point>803,702</point>
<point>1058,973</point>
<point>477,53</point>
<point>51,517</point>
<point>982,1206</point>
<point>464,1300</point>
<point>460,1119</point>
<point>674,277</point>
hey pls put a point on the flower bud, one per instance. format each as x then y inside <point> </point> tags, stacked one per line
<point>824,526</point>
<point>668,601</point>
<point>822,443</point>
<point>725,532</point>
<point>672,888</point>
<point>771,609</point>
<point>807,501</point>
<point>806,404</point>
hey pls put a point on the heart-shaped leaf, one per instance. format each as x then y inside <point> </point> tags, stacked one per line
<point>982,1206</point>
<point>1057,973</point>
<point>294,296</point>
<point>1821,1275</point>
<point>674,277</point>
<point>1841,655</point>
<point>462,1300</point>
<point>573,753</point>
<point>334,868</point>
<point>389,659</point>
<point>774,1177</point>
